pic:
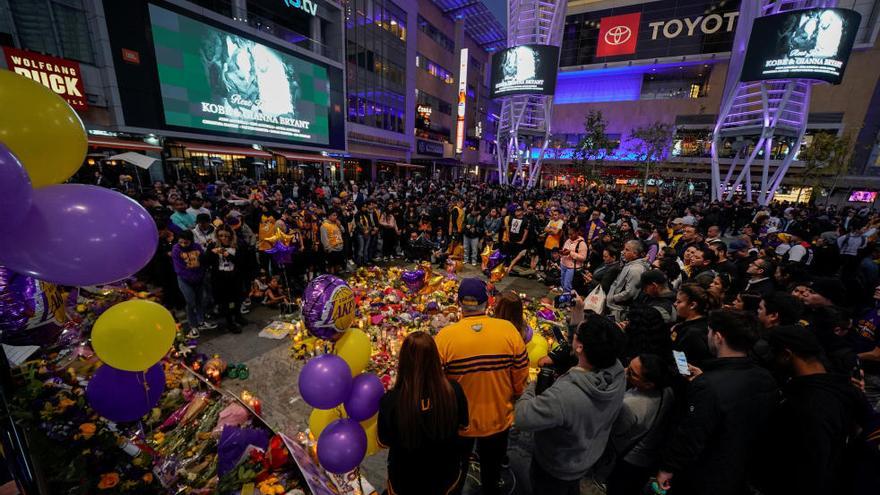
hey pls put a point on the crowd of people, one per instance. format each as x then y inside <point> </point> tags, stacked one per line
<point>712,347</point>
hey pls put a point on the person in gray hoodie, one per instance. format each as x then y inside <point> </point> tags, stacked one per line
<point>572,419</point>
<point>625,288</point>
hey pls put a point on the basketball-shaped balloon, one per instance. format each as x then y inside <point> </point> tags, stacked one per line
<point>328,306</point>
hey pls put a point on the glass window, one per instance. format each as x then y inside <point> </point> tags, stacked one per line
<point>435,34</point>
<point>56,27</point>
<point>434,69</point>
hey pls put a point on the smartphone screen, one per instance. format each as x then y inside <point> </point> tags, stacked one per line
<point>681,363</point>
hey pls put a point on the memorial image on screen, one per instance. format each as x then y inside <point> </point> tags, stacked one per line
<point>804,44</point>
<point>214,80</point>
<point>525,69</point>
<point>863,196</point>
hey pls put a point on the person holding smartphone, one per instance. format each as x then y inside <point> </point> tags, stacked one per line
<point>729,402</point>
<point>574,254</point>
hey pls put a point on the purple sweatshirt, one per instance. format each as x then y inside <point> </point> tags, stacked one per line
<point>192,273</point>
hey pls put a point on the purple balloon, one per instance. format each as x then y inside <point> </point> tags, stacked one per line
<point>281,253</point>
<point>325,381</point>
<point>75,234</point>
<point>16,193</point>
<point>16,300</point>
<point>328,307</point>
<point>495,259</point>
<point>123,396</point>
<point>530,332</point>
<point>414,279</point>
<point>342,446</point>
<point>546,314</point>
<point>366,392</point>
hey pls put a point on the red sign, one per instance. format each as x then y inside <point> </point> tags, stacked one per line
<point>60,75</point>
<point>131,56</point>
<point>618,35</point>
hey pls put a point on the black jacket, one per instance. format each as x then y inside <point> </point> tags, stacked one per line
<point>809,431</point>
<point>761,288</point>
<point>692,338</point>
<point>648,328</point>
<point>728,410</point>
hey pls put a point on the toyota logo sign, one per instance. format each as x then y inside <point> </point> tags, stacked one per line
<point>618,35</point>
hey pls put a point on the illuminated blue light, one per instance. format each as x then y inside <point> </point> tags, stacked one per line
<point>607,84</point>
<point>597,87</point>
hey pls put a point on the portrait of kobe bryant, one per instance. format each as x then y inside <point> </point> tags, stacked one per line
<point>248,76</point>
<point>520,64</point>
<point>815,33</point>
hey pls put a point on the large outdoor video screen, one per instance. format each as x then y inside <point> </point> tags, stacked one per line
<point>218,81</point>
<point>802,44</point>
<point>525,69</point>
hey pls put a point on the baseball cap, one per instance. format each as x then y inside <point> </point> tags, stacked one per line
<point>798,339</point>
<point>677,220</point>
<point>472,292</point>
<point>737,245</point>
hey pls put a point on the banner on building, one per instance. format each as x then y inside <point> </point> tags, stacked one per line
<point>60,75</point>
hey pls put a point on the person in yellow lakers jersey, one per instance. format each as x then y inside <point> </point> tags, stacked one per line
<point>487,357</point>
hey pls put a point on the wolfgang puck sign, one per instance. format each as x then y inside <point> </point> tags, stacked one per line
<point>60,75</point>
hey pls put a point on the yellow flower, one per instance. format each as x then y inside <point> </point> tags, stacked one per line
<point>87,430</point>
<point>159,437</point>
<point>65,403</point>
<point>108,480</point>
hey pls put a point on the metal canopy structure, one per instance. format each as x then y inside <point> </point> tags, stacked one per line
<point>524,123</point>
<point>756,114</point>
<point>479,23</point>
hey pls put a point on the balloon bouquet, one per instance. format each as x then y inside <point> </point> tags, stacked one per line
<point>75,235</point>
<point>345,399</point>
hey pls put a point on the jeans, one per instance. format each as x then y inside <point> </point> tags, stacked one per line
<point>362,256</point>
<point>545,484</point>
<point>194,295</point>
<point>491,450</point>
<point>471,249</point>
<point>566,278</point>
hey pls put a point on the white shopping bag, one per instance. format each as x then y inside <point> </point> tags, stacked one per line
<point>595,301</point>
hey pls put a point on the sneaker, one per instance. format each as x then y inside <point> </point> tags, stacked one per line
<point>193,333</point>
<point>246,303</point>
<point>243,310</point>
<point>207,326</point>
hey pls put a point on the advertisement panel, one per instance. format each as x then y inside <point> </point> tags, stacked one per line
<point>180,72</point>
<point>524,69</point>
<point>670,28</point>
<point>462,100</point>
<point>60,75</point>
<point>802,44</point>
<point>215,80</point>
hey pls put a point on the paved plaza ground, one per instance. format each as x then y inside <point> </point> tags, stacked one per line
<point>273,378</point>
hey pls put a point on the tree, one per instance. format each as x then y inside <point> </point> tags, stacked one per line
<point>649,143</point>
<point>592,149</point>
<point>828,155</point>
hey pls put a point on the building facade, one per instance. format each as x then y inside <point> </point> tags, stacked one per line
<point>667,61</point>
<point>265,88</point>
<point>404,77</point>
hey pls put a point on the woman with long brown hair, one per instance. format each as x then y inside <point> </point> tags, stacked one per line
<point>509,307</point>
<point>419,420</point>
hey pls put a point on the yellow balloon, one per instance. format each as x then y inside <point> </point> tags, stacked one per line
<point>133,335</point>
<point>354,347</point>
<point>372,430</point>
<point>320,418</point>
<point>42,130</point>
<point>537,348</point>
